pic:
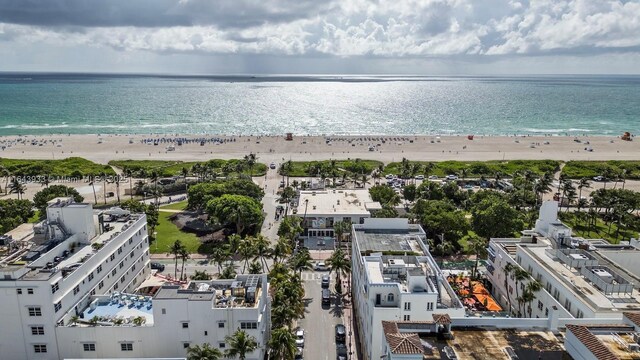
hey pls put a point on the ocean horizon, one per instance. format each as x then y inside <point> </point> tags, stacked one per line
<point>78,103</point>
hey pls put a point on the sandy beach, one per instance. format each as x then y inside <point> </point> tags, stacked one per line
<point>102,148</point>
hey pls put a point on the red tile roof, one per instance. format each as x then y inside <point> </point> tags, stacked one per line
<point>401,343</point>
<point>597,348</point>
<point>442,319</point>
<point>634,317</point>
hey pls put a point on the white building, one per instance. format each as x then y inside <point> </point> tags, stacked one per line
<point>67,289</point>
<point>394,278</point>
<point>580,277</point>
<point>321,209</point>
<point>605,342</point>
<point>49,272</point>
<point>205,312</point>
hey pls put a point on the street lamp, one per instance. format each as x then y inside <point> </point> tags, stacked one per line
<point>155,239</point>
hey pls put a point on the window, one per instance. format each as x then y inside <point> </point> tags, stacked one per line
<point>126,346</point>
<point>121,264</point>
<point>221,345</point>
<point>113,272</point>
<point>35,311</point>
<point>30,291</point>
<point>429,306</point>
<point>407,318</point>
<point>99,269</point>
<point>206,333</point>
<point>121,280</point>
<point>120,250</point>
<point>19,291</point>
<point>185,345</point>
<point>220,325</point>
<point>185,325</point>
<point>539,305</point>
<point>390,298</point>
<point>113,256</point>
<point>90,277</point>
<point>100,285</point>
<point>580,314</point>
<point>164,311</point>
<point>55,287</point>
<point>92,292</point>
<point>407,306</point>
<point>248,325</point>
<point>546,311</point>
<point>57,306</point>
<point>40,348</point>
<point>89,347</point>
<point>131,254</point>
<point>76,290</point>
<point>567,304</point>
<point>37,330</point>
<point>130,240</point>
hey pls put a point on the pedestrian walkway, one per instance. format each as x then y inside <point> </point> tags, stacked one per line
<point>348,319</point>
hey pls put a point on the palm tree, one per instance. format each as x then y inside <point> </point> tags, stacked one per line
<point>92,182</point>
<point>219,255</point>
<point>74,320</point>
<point>340,264</point>
<point>255,268</point>
<point>250,160</point>
<point>203,352</point>
<point>508,270</point>
<point>117,181</point>
<point>262,250</point>
<point>17,187</point>
<point>175,250</point>
<point>478,245</point>
<point>6,174</point>
<point>520,275</point>
<point>532,288</point>
<point>240,344</point>
<point>104,186</point>
<point>129,174</point>
<point>184,256</point>
<point>281,250</point>
<point>246,250</point>
<point>45,181</point>
<point>200,275</point>
<point>229,271</point>
<point>584,183</point>
<point>139,320</point>
<point>301,261</point>
<point>185,172</point>
<point>282,344</point>
<point>340,228</point>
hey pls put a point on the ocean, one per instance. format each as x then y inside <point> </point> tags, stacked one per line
<point>43,103</point>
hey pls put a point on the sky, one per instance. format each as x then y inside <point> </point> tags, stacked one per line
<point>426,37</point>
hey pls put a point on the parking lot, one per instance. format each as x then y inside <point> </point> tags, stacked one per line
<point>319,322</point>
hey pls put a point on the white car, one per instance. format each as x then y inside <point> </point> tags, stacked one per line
<point>321,266</point>
<point>452,177</point>
<point>433,177</point>
<point>300,338</point>
<point>389,176</point>
<point>419,177</point>
<point>272,165</point>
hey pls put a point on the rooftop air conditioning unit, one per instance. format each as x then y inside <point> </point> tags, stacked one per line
<point>634,347</point>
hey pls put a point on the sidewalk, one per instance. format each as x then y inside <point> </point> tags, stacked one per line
<point>349,323</point>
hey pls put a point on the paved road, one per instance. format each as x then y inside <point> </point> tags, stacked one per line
<point>319,323</point>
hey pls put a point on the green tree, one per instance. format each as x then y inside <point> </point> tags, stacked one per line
<point>386,212</point>
<point>519,275</point>
<point>16,187</point>
<point>175,250</point>
<point>340,264</point>
<point>440,217</point>
<point>478,246</point>
<point>255,268</point>
<point>282,344</point>
<point>240,344</point>
<point>247,251</point>
<point>250,161</point>
<point>41,198</point>
<point>493,219</point>
<point>384,194</point>
<point>239,211</point>
<point>340,228</point>
<point>14,212</point>
<point>229,271</point>
<point>508,271</point>
<point>301,261</point>
<point>203,352</point>
<point>184,256</point>
<point>290,227</point>
<point>410,192</point>
<point>200,194</point>
<point>200,275</point>
<point>263,250</point>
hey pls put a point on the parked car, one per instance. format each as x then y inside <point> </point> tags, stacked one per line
<point>272,166</point>
<point>341,351</point>
<point>157,266</point>
<point>300,338</point>
<point>419,177</point>
<point>389,176</point>
<point>326,297</point>
<point>433,177</point>
<point>341,333</point>
<point>452,177</point>
<point>326,280</point>
<point>321,266</point>
<point>598,178</point>
<point>299,354</point>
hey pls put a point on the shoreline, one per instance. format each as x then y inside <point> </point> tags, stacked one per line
<point>102,148</point>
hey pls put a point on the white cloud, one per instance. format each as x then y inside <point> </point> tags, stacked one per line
<point>382,28</point>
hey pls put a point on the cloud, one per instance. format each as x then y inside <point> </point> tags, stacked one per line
<point>334,28</point>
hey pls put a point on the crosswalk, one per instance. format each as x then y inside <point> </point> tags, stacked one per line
<point>314,276</point>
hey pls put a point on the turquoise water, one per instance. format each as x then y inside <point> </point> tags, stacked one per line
<point>85,103</point>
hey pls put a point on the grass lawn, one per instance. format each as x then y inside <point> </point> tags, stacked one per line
<point>181,205</point>
<point>35,218</point>
<point>69,167</point>
<point>589,169</point>
<point>310,168</point>
<point>166,168</point>
<point>600,230</point>
<point>168,233</point>
<point>478,168</point>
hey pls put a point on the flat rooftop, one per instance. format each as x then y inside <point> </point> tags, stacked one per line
<point>385,240</point>
<point>396,269</point>
<point>119,308</point>
<point>336,202</point>
<point>243,291</point>
<point>584,289</point>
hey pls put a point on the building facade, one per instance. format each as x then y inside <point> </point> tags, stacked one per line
<point>395,278</point>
